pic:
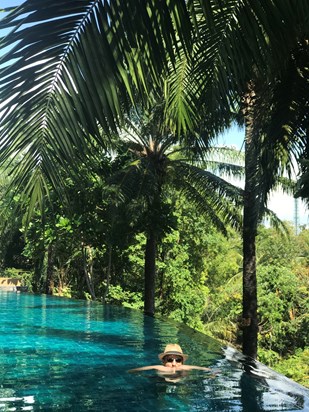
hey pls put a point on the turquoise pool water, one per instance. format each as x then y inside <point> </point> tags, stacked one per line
<point>68,355</point>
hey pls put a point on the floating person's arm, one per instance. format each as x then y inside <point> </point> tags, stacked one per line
<point>160,368</point>
<point>190,367</point>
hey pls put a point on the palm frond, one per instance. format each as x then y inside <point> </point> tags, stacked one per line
<point>207,180</point>
<point>237,41</point>
<point>69,69</point>
<point>180,97</point>
<point>7,9</point>
<point>212,195</point>
<point>302,187</point>
<point>225,162</point>
<point>275,222</point>
<point>286,185</point>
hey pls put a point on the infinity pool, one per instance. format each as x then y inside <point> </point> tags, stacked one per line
<point>68,355</point>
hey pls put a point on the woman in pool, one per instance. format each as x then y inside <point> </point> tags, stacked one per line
<point>172,363</point>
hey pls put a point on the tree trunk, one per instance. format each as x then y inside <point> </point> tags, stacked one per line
<point>61,279</point>
<point>250,222</point>
<point>88,269</point>
<point>50,270</point>
<point>250,321</point>
<point>150,275</point>
<point>108,275</point>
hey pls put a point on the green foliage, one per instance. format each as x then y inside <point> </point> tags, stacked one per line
<point>268,356</point>
<point>11,273</point>
<point>134,277</point>
<point>283,291</point>
<point>274,248</point>
<point>224,259</point>
<point>284,302</point>
<point>302,242</point>
<point>182,296</point>
<point>296,367</point>
<point>24,276</point>
<point>283,296</point>
<point>117,295</point>
<point>223,310</point>
<point>64,291</point>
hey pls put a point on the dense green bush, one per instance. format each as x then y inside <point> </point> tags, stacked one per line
<point>296,366</point>
<point>283,309</point>
<point>118,296</point>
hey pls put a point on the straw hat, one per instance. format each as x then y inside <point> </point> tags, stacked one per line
<point>173,349</point>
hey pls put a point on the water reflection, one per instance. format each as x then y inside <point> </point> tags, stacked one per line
<point>13,403</point>
<point>263,389</point>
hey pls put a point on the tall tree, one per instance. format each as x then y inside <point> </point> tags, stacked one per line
<point>274,112</point>
<point>271,112</point>
<point>157,163</point>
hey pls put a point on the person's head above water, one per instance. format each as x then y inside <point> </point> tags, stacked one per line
<point>173,352</point>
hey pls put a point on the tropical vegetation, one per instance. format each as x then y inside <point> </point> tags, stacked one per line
<point>70,75</point>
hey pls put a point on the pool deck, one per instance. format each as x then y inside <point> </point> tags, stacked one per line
<point>9,284</point>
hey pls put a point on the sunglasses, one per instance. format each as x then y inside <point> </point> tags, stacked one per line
<point>178,360</point>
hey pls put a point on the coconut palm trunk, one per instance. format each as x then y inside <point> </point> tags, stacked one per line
<point>250,222</point>
<point>250,321</point>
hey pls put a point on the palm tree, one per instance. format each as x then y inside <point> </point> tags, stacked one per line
<point>274,114</point>
<point>156,164</point>
<point>271,111</point>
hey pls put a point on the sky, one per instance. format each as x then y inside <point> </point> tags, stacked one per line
<point>9,3</point>
<point>282,204</point>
